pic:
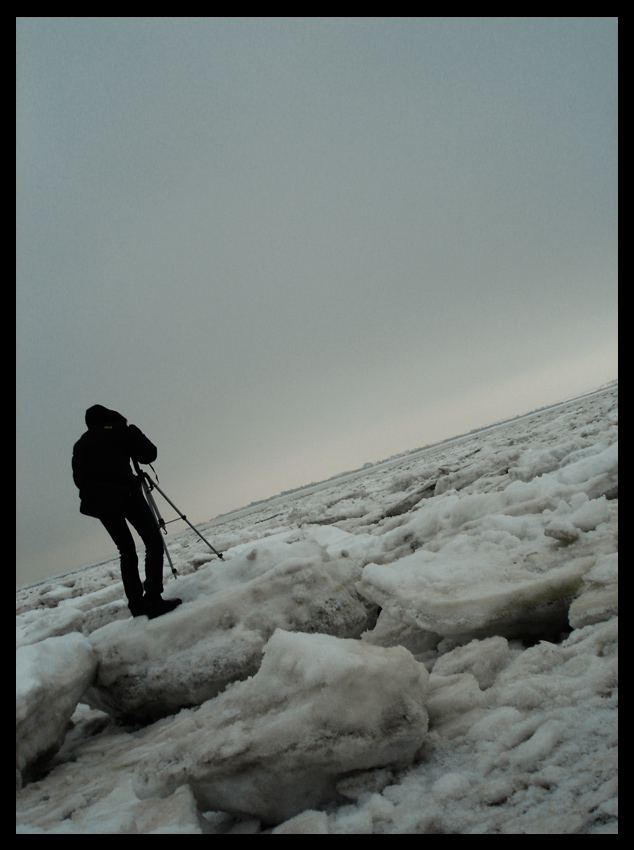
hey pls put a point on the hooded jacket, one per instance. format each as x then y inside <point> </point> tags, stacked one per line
<point>101,461</point>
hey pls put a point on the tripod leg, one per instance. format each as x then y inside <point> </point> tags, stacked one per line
<point>182,516</point>
<point>172,567</point>
<point>159,522</point>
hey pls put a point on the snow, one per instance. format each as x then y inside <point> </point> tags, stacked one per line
<point>218,634</point>
<point>51,676</point>
<point>317,708</point>
<point>428,645</point>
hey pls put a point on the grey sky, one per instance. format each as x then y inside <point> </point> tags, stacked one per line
<point>284,247</point>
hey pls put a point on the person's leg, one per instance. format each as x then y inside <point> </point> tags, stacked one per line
<point>117,528</point>
<point>140,516</point>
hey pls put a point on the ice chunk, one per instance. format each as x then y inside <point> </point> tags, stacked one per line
<point>599,600</point>
<point>548,674</point>
<point>581,515</point>
<point>539,460</point>
<point>51,676</point>
<point>308,823</point>
<point>34,626</point>
<point>605,571</point>
<point>153,668</point>
<point>390,632</point>
<point>483,658</point>
<point>486,564</point>
<point>562,530</point>
<point>275,745</point>
<point>451,695</point>
<point>475,595</point>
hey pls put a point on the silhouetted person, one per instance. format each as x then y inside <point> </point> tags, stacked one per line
<point>110,491</point>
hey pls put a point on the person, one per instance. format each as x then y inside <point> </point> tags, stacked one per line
<point>110,491</point>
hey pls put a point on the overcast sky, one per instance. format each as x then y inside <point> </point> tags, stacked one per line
<point>284,247</point>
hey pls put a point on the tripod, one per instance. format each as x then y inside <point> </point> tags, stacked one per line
<point>148,485</point>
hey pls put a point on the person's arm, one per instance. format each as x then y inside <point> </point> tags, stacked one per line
<point>141,449</point>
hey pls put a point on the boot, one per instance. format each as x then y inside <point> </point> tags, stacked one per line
<point>137,607</point>
<point>155,606</point>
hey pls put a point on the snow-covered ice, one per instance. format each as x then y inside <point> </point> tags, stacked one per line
<point>482,700</point>
<point>217,636</point>
<point>51,677</point>
<point>483,563</point>
<point>272,746</point>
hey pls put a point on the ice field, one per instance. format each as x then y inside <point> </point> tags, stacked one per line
<point>426,646</point>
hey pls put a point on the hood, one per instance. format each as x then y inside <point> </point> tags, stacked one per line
<point>98,416</point>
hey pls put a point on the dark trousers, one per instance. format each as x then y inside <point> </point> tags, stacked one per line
<point>139,514</point>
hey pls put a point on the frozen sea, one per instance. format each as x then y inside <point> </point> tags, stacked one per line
<point>425,646</point>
